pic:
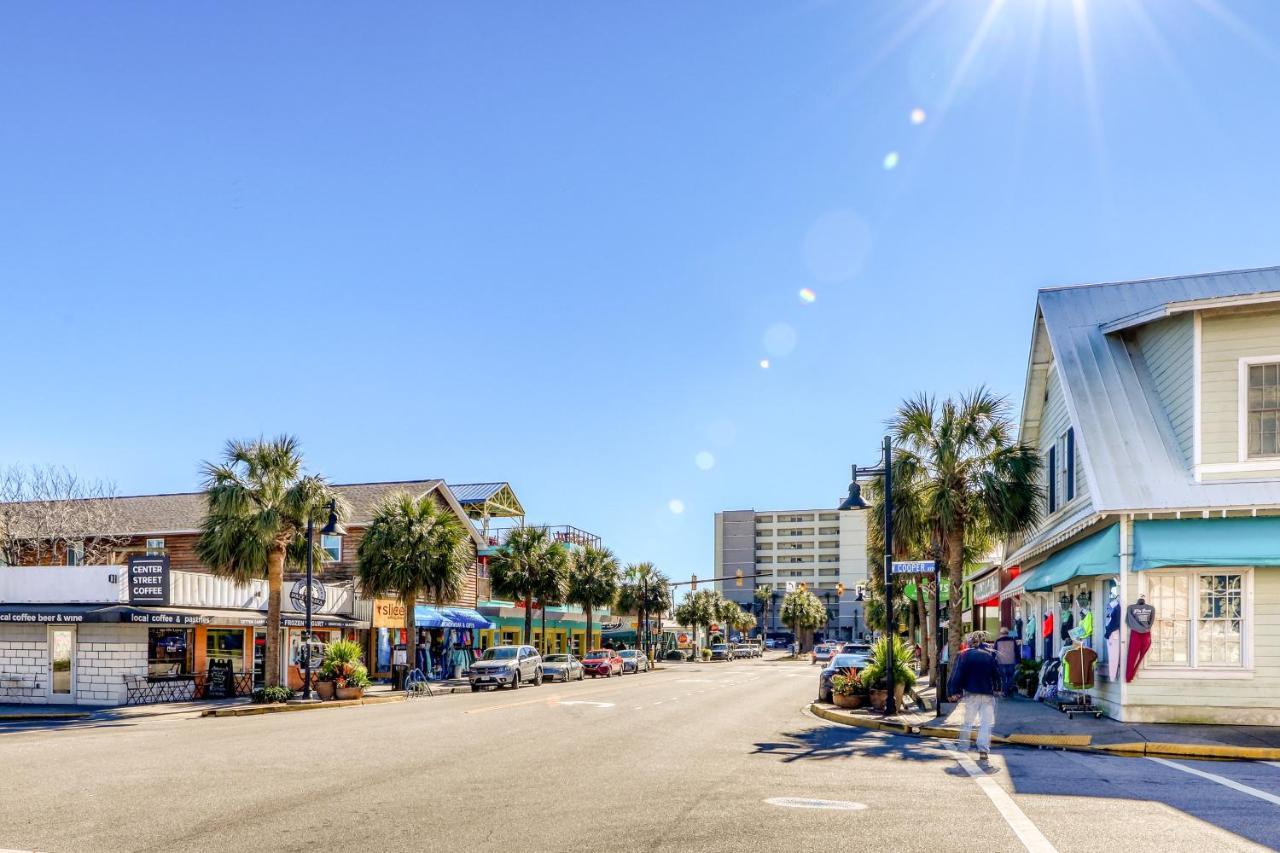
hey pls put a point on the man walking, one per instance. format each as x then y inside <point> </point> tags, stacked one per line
<point>973,680</point>
<point>1006,660</point>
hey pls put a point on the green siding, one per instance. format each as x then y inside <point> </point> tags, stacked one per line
<point>1168,347</point>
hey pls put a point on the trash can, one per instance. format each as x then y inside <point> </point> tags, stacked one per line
<point>398,673</point>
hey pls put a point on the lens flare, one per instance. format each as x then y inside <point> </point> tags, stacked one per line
<point>705,461</point>
<point>807,294</point>
<point>891,160</point>
<point>917,116</point>
<point>764,364</point>
<point>676,506</point>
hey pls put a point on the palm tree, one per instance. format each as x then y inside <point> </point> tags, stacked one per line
<point>517,570</point>
<point>644,591</point>
<point>414,546</point>
<point>258,502</point>
<point>802,611</point>
<point>703,609</point>
<point>764,595</point>
<point>550,578</point>
<point>738,619</point>
<point>971,479</point>
<point>593,582</point>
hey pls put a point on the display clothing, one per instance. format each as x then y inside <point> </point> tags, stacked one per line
<point>1046,628</point>
<point>1140,617</point>
<point>1139,642</point>
<point>1064,630</point>
<point>1077,668</point>
<point>1113,656</point>
<point>1112,624</point>
<point>1086,625</point>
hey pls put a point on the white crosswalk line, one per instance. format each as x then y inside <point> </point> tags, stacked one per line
<point>1027,832</point>
<point>1221,780</point>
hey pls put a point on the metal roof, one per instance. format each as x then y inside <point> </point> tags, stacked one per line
<point>496,500</point>
<point>474,493</point>
<point>1127,442</point>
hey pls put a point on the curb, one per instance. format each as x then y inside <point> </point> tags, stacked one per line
<point>1076,743</point>
<point>67,715</point>
<point>258,710</point>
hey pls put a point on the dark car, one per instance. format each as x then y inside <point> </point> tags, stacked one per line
<point>841,664</point>
<point>721,651</point>
<point>602,662</point>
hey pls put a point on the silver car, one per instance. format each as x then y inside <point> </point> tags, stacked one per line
<point>562,668</point>
<point>633,660</point>
<point>507,666</point>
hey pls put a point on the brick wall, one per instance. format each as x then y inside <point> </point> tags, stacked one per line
<point>24,663</point>
<point>105,654</point>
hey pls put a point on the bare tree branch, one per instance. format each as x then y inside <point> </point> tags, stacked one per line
<point>45,511</point>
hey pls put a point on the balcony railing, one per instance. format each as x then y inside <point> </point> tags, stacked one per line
<point>564,533</point>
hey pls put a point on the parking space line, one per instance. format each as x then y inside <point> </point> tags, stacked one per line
<point>1221,780</point>
<point>1028,833</point>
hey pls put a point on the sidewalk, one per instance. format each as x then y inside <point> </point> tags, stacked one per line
<point>21,713</point>
<point>1024,722</point>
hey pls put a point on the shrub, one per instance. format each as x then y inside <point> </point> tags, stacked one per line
<point>272,695</point>
<point>706,654</point>
<point>874,674</point>
<point>1027,678</point>
<point>847,685</point>
<point>340,657</point>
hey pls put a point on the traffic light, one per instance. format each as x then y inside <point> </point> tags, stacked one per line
<point>803,586</point>
<point>839,589</point>
<point>693,582</point>
<point>738,579</point>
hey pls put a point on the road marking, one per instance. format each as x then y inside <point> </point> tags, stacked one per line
<point>1221,780</point>
<point>1027,833</point>
<point>586,702</point>
<point>801,803</point>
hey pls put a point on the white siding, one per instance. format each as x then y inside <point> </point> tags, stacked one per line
<point>1054,423</point>
<point>1225,339</point>
<point>1167,347</point>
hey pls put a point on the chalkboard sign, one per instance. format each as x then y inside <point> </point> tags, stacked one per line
<point>222,680</point>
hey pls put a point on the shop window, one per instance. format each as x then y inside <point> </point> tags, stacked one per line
<point>169,651</point>
<point>155,547</point>
<point>226,644</point>
<point>75,553</point>
<point>332,546</point>
<point>1220,630</point>
<point>1200,619</point>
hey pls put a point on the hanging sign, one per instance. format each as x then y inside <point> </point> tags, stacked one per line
<point>298,595</point>
<point>388,613</point>
<point>987,588</point>
<point>149,579</point>
<point>914,567</point>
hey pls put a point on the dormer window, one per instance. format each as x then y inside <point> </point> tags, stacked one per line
<point>1263,415</point>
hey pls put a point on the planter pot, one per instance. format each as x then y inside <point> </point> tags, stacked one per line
<point>843,701</point>
<point>878,697</point>
<point>348,692</point>
<point>324,689</point>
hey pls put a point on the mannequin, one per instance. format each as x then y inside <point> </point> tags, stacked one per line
<point>1111,630</point>
<point>1068,622</point>
<point>1139,617</point>
<point>1046,631</point>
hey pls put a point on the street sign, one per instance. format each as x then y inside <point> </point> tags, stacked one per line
<point>791,586</point>
<point>914,567</point>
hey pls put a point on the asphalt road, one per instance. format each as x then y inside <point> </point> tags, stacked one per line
<point>680,760</point>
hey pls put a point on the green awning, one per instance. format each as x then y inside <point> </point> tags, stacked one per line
<point>1206,542</point>
<point>1098,554</point>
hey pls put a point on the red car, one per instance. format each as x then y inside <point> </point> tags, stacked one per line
<point>604,662</point>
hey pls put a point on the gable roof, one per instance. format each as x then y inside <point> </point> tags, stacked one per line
<point>1126,444</point>
<point>182,512</point>
<point>496,499</point>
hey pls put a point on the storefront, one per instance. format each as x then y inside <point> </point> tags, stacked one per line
<point>566,627</point>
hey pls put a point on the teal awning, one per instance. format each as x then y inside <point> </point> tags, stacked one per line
<point>1206,542</point>
<point>426,616</point>
<point>1018,585</point>
<point>1098,554</point>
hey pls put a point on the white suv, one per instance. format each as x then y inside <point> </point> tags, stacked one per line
<point>507,666</point>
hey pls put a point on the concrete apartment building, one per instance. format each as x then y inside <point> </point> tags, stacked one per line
<point>773,548</point>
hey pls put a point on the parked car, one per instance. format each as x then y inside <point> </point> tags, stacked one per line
<point>840,664</point>
<point>720,651</point>
<point>821,653</point>
<point>602,662</point>
<point>743,650</point>
<point>507,666</point>
<point>563,668</point>
<point>855,649</point>
<point>633,660</point>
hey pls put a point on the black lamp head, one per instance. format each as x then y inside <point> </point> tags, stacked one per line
<point>334,527</point>
<point>854,500</point>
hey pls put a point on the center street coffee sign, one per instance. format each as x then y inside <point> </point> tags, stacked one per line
<point>149,580</point>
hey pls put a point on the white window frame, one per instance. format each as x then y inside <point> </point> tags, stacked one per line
<point>155,546</point>
<point>1193,670</point>
<point>1242,414</point>
<point>329,558</point>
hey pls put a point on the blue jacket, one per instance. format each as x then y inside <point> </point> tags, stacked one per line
<point>975,672</point>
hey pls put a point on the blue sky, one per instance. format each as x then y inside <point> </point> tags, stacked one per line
<point>551,243</point>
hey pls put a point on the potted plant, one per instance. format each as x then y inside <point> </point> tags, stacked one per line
<point>350,684</point>
<point>875,674</point>
<point>1027,678</point>
<point>847,691</point>
<point>339,663</point>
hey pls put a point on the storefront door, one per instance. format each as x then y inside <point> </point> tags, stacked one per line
<point>62,663</point>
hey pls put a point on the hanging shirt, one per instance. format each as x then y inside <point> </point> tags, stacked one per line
<point>1077,668</point>
<point>1113,617</point>
<point>1047,628</point>
<point>1086,624</point>
<point>1139,617</point>
<point>1068,622</point>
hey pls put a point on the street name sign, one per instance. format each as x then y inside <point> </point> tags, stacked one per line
<point>915,567</point>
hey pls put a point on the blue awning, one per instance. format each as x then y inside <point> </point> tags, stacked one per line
<point>1098,554</point>
<point>426,616</point>
<point>1206,542</point>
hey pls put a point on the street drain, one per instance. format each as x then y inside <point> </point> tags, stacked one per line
<point>803,803</point>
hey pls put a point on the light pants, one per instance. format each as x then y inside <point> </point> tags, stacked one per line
<point>979,708</point>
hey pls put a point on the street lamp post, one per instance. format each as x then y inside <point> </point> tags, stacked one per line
<point>855,501</point>
<point>328,530</point>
